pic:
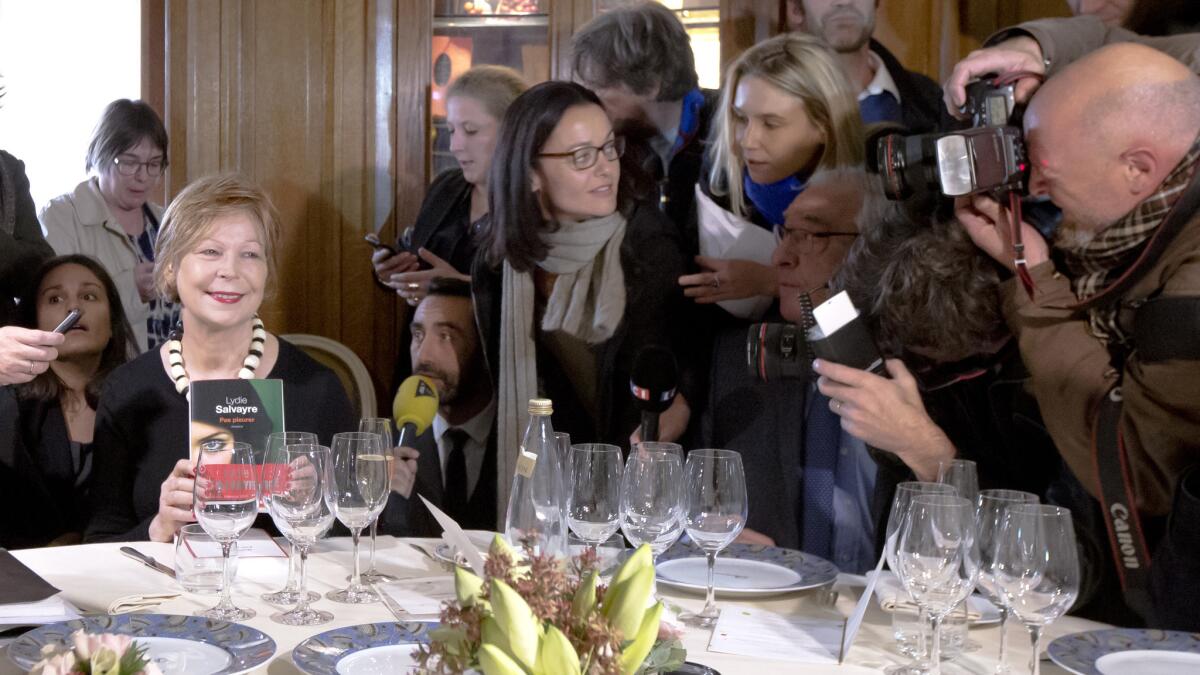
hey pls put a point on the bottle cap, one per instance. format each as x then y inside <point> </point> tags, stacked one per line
<point>540,406</point>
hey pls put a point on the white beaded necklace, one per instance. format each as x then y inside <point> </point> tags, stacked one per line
<point>175,356</point>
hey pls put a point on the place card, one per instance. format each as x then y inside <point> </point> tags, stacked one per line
<point>749,631</point>
<point>256,543</point>
<point>454,535</point>
<point>860,610</point>
<point>421,596</point>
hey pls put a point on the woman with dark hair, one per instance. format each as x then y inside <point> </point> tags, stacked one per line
<point>576,276</point>
<point>109,215</point>
<point>46,424</point>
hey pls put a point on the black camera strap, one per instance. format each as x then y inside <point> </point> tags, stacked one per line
<point>1130,553</point>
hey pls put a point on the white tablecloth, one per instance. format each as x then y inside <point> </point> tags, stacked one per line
<point>92,576</point>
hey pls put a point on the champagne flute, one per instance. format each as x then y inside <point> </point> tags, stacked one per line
<point>993,504</point>
<point>1037,567</point>
<point>225,496</point>
<point>289,594</point>
<point>714,514</point>
<point>651,497</point>
<point>296,491</point>
<point>383,427</point>
<point>909,643</point>
<point>361,480</point>
<point>594,504</point>
<point>938,559</point>
<point>962,474</point>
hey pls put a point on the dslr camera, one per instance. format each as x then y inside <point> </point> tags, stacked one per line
<point>988,157</point>
<point>777,351</point>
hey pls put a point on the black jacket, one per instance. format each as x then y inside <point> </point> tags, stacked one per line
<point>22,250</point>
<point>409,517</point>
<point>920,97</point>
<point>38,497</point>
<point>652,260</point>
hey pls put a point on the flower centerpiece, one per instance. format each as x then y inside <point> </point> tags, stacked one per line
<point>539,617</point>
<point>105,654</point>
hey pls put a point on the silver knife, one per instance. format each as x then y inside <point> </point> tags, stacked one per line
<point>147,561</point>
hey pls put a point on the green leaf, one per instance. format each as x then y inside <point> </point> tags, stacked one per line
<point>518,623</point>
<point>635,652</point>
<point>493,661</point>
<point>467,586</point>
<point>585,597</point>
<point>556,656</point>
<point>625,603</point>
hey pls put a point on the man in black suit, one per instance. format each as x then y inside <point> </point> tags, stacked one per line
<point>887,92</point>
<point>453,464</point>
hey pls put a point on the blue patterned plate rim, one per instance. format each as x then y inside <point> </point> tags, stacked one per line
<point>1078,652</point>
<point>814,570</point>
<point>248,647</point>
<point>319,654</point>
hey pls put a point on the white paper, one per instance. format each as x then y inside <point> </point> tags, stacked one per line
<point>724,235</point>
<point>51,610</point>
<point>860,610</point>
<point>420,597</point>
<point>749,631</point>
<point>453,534</point>
<point>255,543</point>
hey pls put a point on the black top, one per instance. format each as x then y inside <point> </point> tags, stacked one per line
<point>142,431</point>
<point>40,495</point>
<point>22,247</point>
<point>652,260</point>
<point>921,105</point>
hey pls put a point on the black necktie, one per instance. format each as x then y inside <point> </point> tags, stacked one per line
<point>455,502</point>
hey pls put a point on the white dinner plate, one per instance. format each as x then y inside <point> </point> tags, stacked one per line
<point>380,660</point>
<point>1148,662</point>
<point>743,570</point>
<point>367,649</point>
<point>1083,653</point>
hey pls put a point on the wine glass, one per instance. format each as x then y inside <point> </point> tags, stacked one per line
<point>289,594</point>
<point>714,514</point>
<point>225,500</point>
<point>362,471</point>
<point>651,500</point>
<point>1037,567</point>
<point>383,427</point>
<point>962,474</point>
<point>594,504</point>
<point>296,482</point>
<point>896,518</point>
<point>938,559</point>
<point>993,505</point>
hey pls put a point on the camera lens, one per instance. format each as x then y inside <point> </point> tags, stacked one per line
<point>777,351</point>
<point>907,164</point>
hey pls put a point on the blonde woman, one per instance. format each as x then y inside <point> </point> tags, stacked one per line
<point>215,256</point>
<point>786,110</point>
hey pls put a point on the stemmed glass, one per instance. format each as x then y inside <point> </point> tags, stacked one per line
<point>658,446</point>
<point>651,500</point>
<point>714,514</point>
<point>289,594</point>
<point>594,501</point>
<point>896,519</point>
<point>296,481</point>
<point>962,474</point>
<point>225,499</point>
<point>361,480</point>
<point>1037,567</point>
<point>383,427</point>
<point>993,504</point>
<point>938,559</point>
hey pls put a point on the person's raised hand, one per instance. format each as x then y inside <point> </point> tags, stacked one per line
<point>26,353</point>
<point>754,538</point>
<point>174,502</point>
<point>672,423</point>
<point>143,277</point>
<point>388,263</point>
<point>1018,54</point>
<point>722,279</point>
<point>413,286</point>
<point>980,216</point>
<point>404,470</point>
<point>886,413</point>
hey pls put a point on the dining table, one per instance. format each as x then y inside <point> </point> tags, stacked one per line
<point>93,576</point>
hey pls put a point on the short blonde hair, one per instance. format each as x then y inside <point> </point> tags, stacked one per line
<point>495,87</point>
<point>802,66</point>
<point>190,216</point>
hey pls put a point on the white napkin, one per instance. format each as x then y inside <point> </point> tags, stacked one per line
<point>724,235</point>
<point>139,602</point>
<point>892,596</point>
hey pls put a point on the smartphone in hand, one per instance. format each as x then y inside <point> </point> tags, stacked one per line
<point>70,320</point>
<point>373,240</point>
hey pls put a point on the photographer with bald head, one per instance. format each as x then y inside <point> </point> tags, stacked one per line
<point>1113,141</point>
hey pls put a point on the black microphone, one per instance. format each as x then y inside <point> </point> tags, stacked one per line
<point>652,383</point>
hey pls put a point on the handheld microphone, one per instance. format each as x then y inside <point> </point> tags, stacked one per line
<point>652,383</point>
<point>413,408</point>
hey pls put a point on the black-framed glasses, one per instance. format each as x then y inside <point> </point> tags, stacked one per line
<point>806,241</point>
<point>585,158</point>
<point>128,166</point>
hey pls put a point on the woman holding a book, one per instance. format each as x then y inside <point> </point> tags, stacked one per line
<point>215,255</point>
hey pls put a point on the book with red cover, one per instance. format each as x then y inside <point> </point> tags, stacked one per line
<point>246,411</point>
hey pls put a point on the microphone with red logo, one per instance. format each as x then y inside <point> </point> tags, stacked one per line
<point>652,383</point>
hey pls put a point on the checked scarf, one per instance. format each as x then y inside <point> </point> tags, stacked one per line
<point>1094,266</point>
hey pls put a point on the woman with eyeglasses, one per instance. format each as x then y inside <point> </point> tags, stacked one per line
<point>110,216</point>
<point>577,274</point>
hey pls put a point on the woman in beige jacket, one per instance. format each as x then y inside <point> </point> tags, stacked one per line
<point>109,217</point>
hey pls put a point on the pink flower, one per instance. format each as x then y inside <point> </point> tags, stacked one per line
<point>668,631</point>
<point>88,646</point>
<point>61,664</point>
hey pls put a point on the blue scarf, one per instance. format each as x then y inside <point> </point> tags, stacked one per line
<point>689,120</point>
<point>772,199</point>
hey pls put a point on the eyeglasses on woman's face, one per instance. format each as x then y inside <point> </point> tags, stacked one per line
<point>128,165</point>
<point>584,158</point>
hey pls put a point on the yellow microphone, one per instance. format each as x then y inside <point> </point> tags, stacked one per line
<point>413,408</point>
